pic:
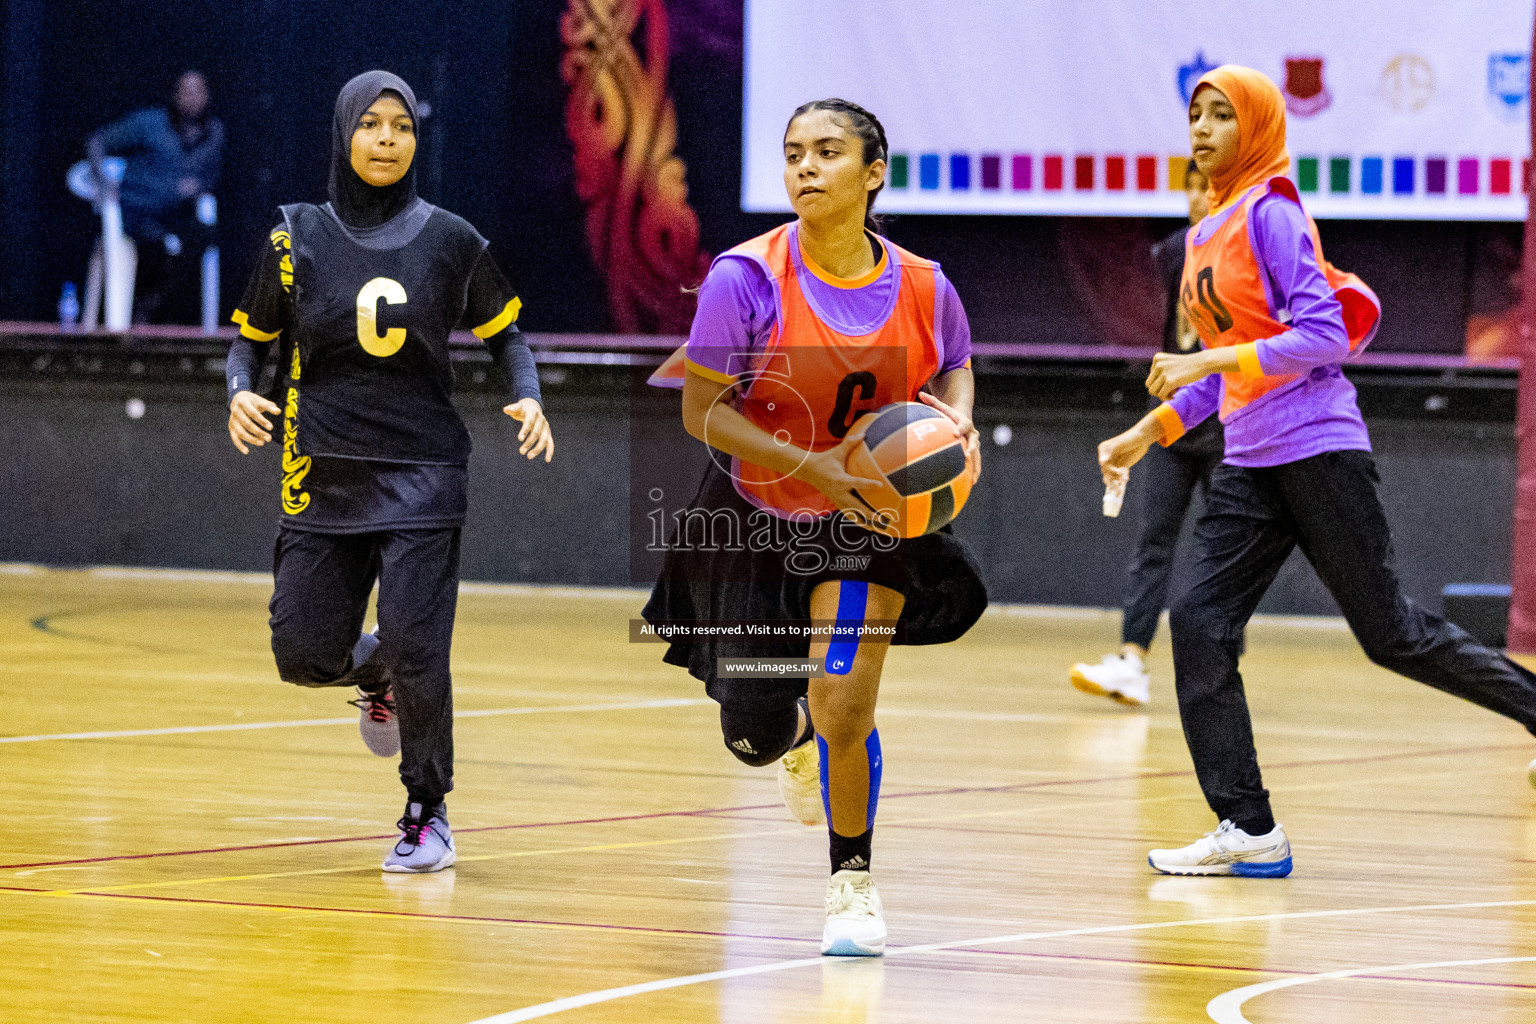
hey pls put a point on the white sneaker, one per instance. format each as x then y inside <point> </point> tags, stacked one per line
<point>1229,851</point>
<point>1120,677</point>
<point>800,783</point>
<point>855,919</point>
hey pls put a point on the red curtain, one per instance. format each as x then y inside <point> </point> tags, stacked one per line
<point>1522,607</point>
<point>1108,261</point>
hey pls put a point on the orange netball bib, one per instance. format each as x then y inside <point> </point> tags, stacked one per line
<point>1222,293</point>
<point>810,382</point>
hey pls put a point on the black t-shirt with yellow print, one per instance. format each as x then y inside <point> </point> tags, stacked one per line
<point>370,437</point>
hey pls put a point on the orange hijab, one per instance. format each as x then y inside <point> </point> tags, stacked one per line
<point>1261,152</point>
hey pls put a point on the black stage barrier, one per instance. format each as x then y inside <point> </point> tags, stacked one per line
<point>116,452</point>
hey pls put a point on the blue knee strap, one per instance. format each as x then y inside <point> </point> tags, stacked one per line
<point>852,598</point>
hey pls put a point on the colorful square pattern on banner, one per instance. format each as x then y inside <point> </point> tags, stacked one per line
<point>1395,108</point>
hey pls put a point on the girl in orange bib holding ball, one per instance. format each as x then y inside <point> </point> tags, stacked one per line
<point>799,333</point>
<point>1275,321</point>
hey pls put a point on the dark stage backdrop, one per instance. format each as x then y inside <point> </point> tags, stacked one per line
<point>496,150</point>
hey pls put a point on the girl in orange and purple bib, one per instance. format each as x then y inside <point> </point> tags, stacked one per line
<point>799,332</point>
<point>1275,321</point>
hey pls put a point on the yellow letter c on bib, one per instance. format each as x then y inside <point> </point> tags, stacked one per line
<point>368,336</point>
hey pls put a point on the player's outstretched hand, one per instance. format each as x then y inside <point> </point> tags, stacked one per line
<point>967,429</point>
<point>828,472</point>
<point>248,423</point>
<point>534,437</point>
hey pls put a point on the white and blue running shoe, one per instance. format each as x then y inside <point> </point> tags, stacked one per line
<point>1229,851</point>
<point>855,918</point>
<point>425,842</point>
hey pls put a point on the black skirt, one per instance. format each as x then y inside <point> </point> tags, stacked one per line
<point>768,574</point>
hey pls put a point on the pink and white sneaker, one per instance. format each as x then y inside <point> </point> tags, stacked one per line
<point>377,721</point>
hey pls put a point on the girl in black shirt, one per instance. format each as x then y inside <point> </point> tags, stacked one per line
<point>364,292</point>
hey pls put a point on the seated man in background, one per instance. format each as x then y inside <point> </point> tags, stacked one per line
<point>173,156</point>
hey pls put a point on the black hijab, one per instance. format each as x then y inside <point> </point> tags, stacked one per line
<point>357,203</point>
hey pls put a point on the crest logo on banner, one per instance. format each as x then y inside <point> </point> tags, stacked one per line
<point>1190,73</point>
<point>1305,93</point>
<point>1407,83</point>
<point>1509,82</point>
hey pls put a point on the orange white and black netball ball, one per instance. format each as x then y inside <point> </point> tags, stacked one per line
<point>918,454</point>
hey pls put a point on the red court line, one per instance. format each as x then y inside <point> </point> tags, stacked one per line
<point>702,812</point>
<point>724,816</point>
<point>1066,835</point>
<point>408,915</point>
<point>385,835</point>
<point>1043,784</point>
<point>1008,833</point>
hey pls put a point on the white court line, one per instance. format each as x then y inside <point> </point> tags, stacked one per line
<point>128,572</point>
<point>1049,611</point>
<point>180,730</point>
<point>1005,716</point>
<point>1227,1008</point>
<point>1029,611</point>
<point>552,590</point>
<point>555,1006</point>
<point>121,572</point>
<point>1330,623</point>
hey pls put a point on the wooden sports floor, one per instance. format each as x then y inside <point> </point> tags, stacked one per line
<point>188,839</point>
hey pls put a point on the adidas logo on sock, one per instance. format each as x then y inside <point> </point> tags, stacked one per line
<point>855,863</point>
<point>745,746</point>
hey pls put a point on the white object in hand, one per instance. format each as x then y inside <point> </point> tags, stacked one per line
<point>1114,495</point>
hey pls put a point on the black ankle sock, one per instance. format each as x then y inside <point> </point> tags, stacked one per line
<point>1257,826</point>
<point>851,853</point>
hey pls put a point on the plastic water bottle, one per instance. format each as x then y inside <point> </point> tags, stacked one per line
<point>1114,494</point>
<point>69,309</point>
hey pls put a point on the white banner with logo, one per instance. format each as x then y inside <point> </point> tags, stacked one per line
<point>1413,109</point>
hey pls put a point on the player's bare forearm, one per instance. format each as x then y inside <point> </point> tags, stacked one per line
<point>708,416</point>
<point>1148,429</point>
<point>1118,454</point>
<point>956,389</point>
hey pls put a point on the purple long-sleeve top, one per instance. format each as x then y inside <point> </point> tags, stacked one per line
<point>1315,413</point>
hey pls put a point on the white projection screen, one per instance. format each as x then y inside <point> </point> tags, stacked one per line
<point>1411,109</point>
